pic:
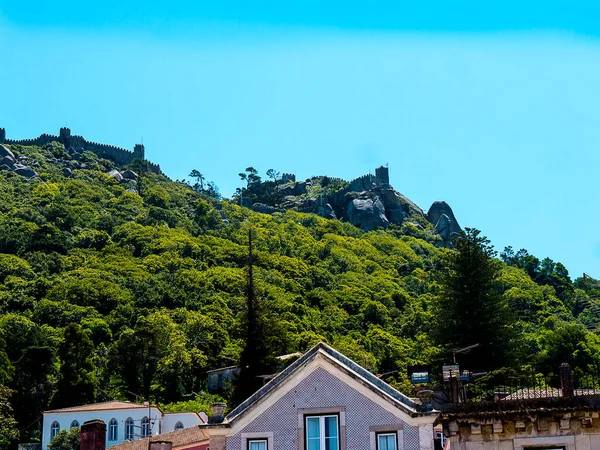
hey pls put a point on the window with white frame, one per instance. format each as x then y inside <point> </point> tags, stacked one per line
<point>322,432</point>
<point>129,429</point>
<point>387,441</point>
<point>54,429</point>
<point>113,430</point>
<point>257,444</point>
<point>74,424</point>
<point>145,427</point>
<point>179,426</point>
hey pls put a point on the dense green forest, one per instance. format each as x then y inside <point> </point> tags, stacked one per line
<point>117,290</point>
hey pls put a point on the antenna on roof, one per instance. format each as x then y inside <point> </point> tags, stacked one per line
<point>463,350</point>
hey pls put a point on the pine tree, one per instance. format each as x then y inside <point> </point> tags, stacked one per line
<point>470,309</point>
<point>256,359</point>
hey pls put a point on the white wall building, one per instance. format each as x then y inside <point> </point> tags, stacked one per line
<point>124,420</point>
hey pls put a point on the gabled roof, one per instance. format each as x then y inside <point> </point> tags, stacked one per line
<point>103,406</point>
<point>179,438</point>
<point>351,368</point>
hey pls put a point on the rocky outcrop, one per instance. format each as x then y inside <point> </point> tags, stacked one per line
<point>4,151</point>
<point>367,213</point>
<point>298,188</point>
<point>26,172</point>
<point>130,175</point>
<point>441,216</point>
<point>115,174</point>
<point>398,208</point>
<point>368,202</point>
<point>324,209</point>
<point>7,161</point>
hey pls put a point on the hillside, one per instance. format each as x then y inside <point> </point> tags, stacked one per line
<point>113,285</point>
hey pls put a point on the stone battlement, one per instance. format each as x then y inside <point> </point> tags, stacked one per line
<point>119,155</point>
<point>367,182</point>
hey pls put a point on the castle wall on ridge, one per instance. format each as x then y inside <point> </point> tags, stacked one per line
<point>119,155</point>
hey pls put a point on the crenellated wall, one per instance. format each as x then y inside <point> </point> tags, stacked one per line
<point>287,177</point>
<point>366,182</point>
<point>119,155</point>
<point>360,184</point>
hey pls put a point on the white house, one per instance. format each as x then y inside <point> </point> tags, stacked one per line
<point>124,420</point>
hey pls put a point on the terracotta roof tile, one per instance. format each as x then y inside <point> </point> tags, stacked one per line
<point>113,404</point>
<point>179,438</point>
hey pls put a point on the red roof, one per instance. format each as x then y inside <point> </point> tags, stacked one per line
<point>103,406</point>
<point>179,438</point>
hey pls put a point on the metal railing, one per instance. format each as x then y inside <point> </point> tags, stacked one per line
<point>30,446</point>
<point>510,388</point>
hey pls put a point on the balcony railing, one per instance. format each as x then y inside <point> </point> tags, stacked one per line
<point>30,446</point>
<point>512,388</point>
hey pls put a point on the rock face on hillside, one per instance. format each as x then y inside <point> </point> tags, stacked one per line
<point>367,214</point>
<point>440,214</point>
<point>368,202</point>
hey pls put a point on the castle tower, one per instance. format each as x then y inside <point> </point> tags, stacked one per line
<point>287,177</point>
<point>382,176</point>
<point>138,151</point>
<point>64,136</point>
<point>2,135</point>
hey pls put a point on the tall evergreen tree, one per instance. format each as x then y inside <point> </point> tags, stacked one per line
<point>470,309</point>
<point>77,378</point>
<point>256,359</point>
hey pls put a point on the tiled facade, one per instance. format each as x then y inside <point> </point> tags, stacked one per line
<point>321,389</point>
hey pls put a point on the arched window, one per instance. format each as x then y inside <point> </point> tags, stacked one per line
<point>54,429</point>
<point>179,426</point>
<point>74,424</point>
<point>113,430</point>
<point>129,429</point>
<point>145,427</point>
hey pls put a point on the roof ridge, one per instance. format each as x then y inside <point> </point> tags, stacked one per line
<point>341,359</point>
<point>127,402</point>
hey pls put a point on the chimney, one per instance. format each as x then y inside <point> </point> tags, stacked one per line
<point>93,435</point>
<point>566,380</point>
<point>161,445</point>
<point>217,410</point>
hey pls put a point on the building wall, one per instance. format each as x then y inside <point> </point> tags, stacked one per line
<point>188,419</point>
<point>321,389</point>
<point>573,430</point>
<point>159,423</point>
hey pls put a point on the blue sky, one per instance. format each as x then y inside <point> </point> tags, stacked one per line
<point>491,108</point>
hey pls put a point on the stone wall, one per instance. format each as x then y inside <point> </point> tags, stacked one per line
<point>367,182</point>
<point>287,177</point>
<point>569,428</point>
<point>119,155</point>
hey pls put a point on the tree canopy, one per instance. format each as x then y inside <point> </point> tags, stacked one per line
<point>122,290</point>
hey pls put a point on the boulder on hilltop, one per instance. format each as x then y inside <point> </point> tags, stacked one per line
<point>442,217</point>
<point>4,151</point>
<point>367,213</point>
